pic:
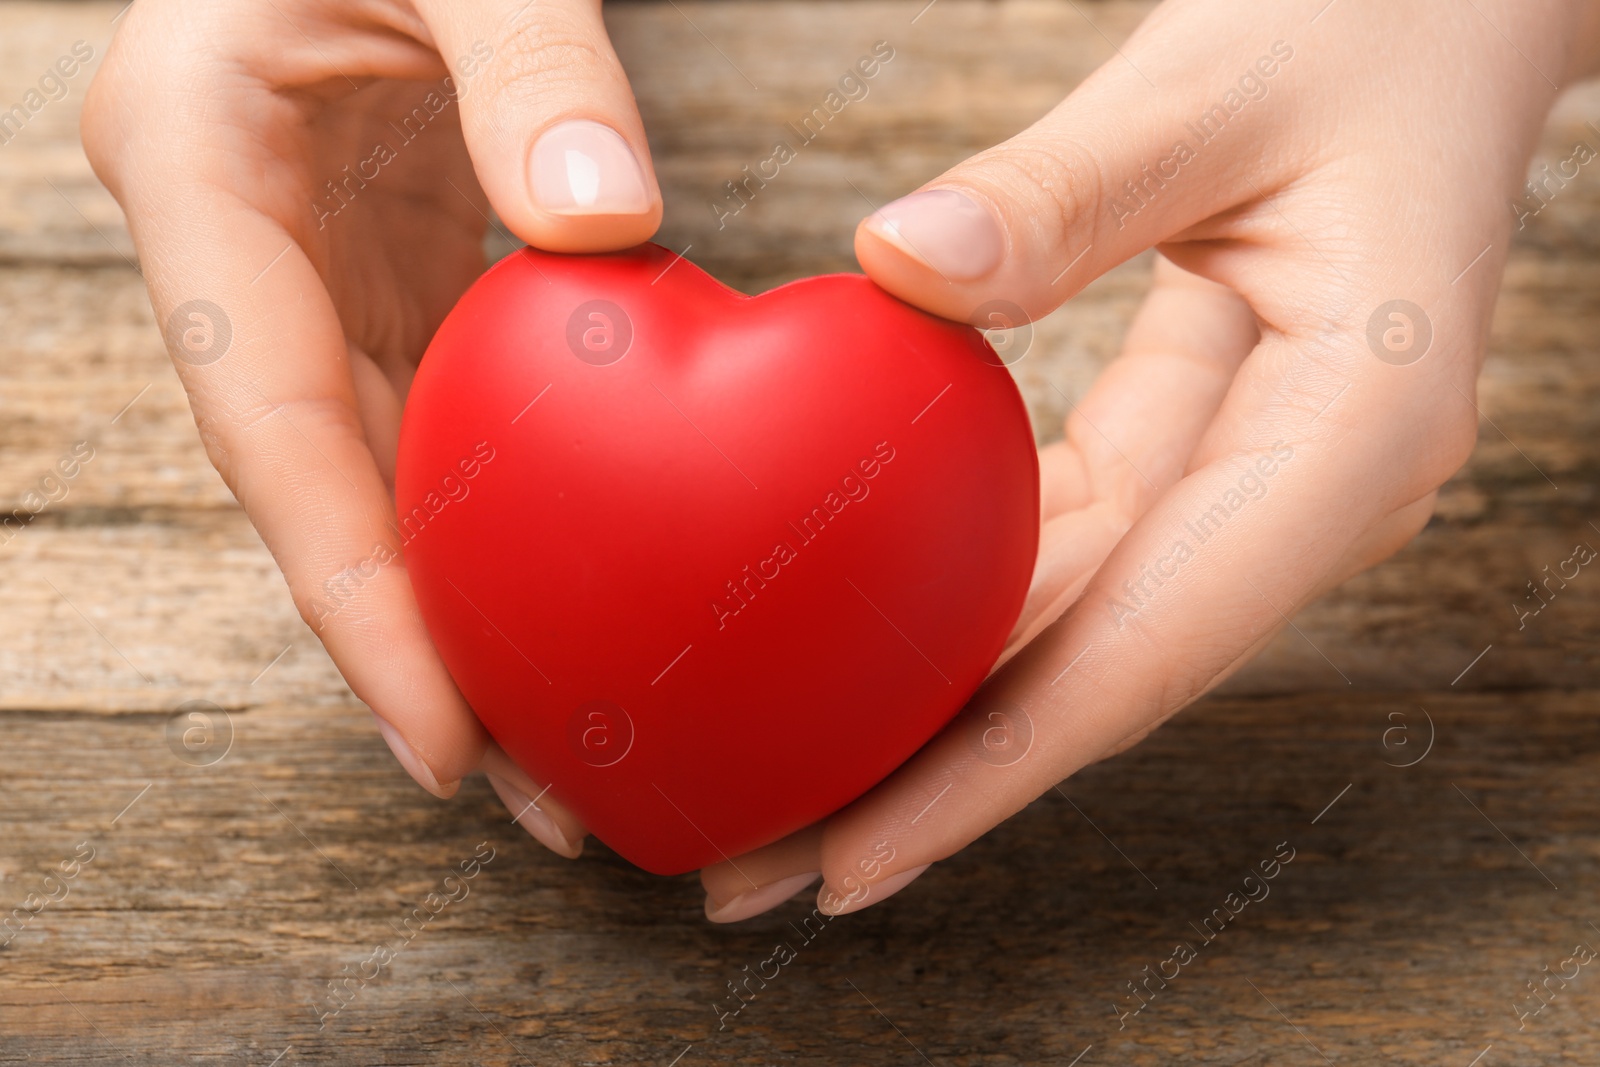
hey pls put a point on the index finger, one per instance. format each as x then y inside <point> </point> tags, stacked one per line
<point>262,354</point>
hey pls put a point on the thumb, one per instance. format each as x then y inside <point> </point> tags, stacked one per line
<point>550,121</point>
<point>1116,168</point>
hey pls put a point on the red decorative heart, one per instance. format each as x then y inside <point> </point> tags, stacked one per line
<point>711,565</point>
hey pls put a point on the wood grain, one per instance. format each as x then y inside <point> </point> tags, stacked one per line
<point>216,908</point>
<point>223,898</point>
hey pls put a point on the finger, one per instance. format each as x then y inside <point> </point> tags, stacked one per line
<point>1132,437</point>
<point>261,352</point>
<point>1117,167</point>
<point>763,879</point>
<point>379,407</point>
<point>531,807</point>
<point>1217,567</point>
<point>288,438</point>
<point>1063,483</point>
<point>1146,412</point>
<point>1376,545</point>
<point>550,121</point>
<point>1205,328</point>
<point>1071,546</point>
<point>1389,536</point>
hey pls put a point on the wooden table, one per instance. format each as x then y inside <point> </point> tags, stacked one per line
<point>221,899</point>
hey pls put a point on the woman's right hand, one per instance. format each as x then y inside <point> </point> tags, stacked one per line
<point>308,183</point>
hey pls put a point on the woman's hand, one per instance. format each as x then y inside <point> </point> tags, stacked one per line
<point>308,185</point>
<point>1332,186</point>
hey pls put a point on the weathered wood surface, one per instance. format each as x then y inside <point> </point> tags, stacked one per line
<point>220,903</point>
<point>207,925</point>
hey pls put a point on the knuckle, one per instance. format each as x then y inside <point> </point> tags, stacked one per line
<point>1059,176</point>
<point>94,130</point>
<point>151,91</point>
<point>314,612</point>
<point>1426,409</point>
<point>1190,675</point>
<point>263,447</point>
<point>1448,440</point>
<point>102,134</point>
<point>547,57</point>
<point>1437,415</point>
<point>217,441</point>
<point>1407,522</point>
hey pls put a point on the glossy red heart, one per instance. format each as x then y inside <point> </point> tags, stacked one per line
<point>709,565</point>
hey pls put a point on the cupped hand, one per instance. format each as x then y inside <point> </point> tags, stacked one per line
<point>1332,188</point>
<point>308,185</point>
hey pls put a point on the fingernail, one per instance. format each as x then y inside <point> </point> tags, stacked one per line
<point>583,168</point>
<point>527,815</point>
<point>832,903</point>
<point>757,901</point>
<point>953,234</point>
<point>413,763</point>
